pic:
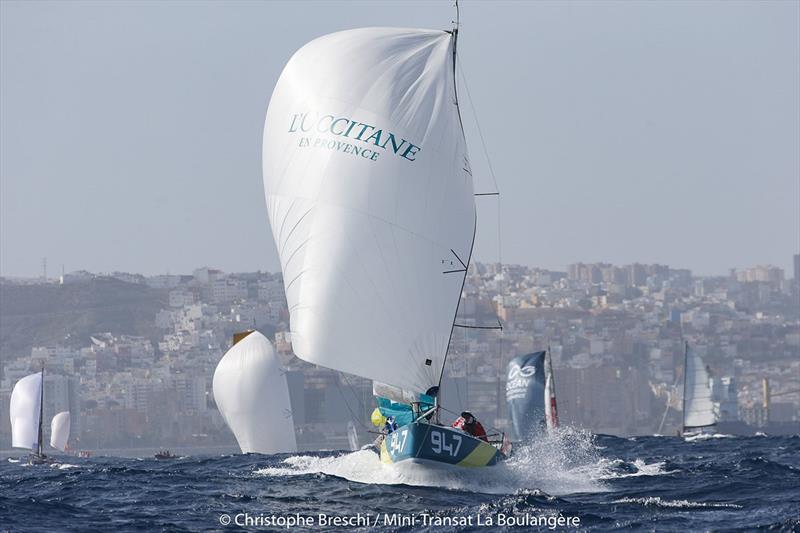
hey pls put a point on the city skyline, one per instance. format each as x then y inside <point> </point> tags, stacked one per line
<point>652,132</point>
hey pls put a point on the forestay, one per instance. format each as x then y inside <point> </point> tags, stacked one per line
<point>698,406</point>
<point>252,395</point>
<point>370,201</point>
<point>25,408</point>
<point>59,431</point>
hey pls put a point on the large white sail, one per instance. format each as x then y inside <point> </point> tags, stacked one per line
<point>698,408</point>
<point>25,409</point>
<point>252,395</point>
<point>59,431</point>
<point>370,200</point>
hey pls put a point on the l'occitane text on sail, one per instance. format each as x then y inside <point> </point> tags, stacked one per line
<point>310,122</point>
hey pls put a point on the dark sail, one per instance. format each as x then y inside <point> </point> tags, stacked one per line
<point>525,393</point>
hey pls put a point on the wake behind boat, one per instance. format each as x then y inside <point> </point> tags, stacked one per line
<point>370,197</point>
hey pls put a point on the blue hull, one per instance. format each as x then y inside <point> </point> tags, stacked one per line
<point>423,442</point>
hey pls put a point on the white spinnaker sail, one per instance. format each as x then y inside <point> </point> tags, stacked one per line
<point>550,409</point>
<point>370,200</point>
<point>252,395</point>
<point>698,407</point>
<point>59,431</point>
<point>25,408</point>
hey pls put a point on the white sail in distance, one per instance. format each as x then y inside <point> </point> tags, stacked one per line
<point>252,395</point>
<point>698,407</point>
<point>370,200</point>
<point>25,409</point>
<point>550,409</point>
<point>59,431</point>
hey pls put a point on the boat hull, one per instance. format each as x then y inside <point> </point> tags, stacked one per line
<point>428,443</point>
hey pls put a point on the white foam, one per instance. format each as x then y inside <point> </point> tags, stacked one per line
<point>63,466</point>
<point>562,463</point>
<point>655,501</point>
<point>613,466</point>
<point>706,436</point>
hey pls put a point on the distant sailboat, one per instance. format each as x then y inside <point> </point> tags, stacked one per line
<point>530,394</point>
<point>699,411</point>
<point>26,411</point>
<point>252,395</point>
<point>371,203</point>
<point>59,431</point>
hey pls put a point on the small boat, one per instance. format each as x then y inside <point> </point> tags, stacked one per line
<point>252,395</point>
<point>164,455</point>
<point>26,410</point>
<point>530,394</point>
<point>371,202</point>
<point>700,413</point>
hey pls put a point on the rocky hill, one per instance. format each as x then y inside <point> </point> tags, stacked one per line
<point>37,315</point>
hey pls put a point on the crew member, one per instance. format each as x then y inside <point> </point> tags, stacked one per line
<point>470,425</point>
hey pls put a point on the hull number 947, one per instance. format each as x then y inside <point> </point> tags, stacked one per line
<point>442,444</point>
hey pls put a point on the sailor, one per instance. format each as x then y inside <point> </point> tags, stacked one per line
<point>391,425</point>
<point>470,425</point>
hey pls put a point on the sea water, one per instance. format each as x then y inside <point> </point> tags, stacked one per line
<point>572,481</point>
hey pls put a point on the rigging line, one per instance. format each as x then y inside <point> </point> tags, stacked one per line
<point>477,124</point>
<point>488,159</point>
<point>347,404</point>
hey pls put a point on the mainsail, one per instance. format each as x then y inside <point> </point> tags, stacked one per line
<point>370,200</point>
<point>525,393</point>
<point>252,395</point>
<point>59,431</point>
<point>698,407</point>
<point>550,407</point>
<point>25,409</point>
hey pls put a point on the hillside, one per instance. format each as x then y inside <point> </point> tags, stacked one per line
<point>36,315</point>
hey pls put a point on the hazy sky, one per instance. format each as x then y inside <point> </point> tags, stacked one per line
<point>618,131</point>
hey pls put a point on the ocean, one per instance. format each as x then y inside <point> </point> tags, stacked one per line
<point>572,481</point>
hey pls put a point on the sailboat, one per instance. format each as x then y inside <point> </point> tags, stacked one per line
<point>59,431</point>
<point>699,411</point>
<point>530,394</point>
<point>252,395</point>
<point>371,203</point>
<point>26,411</point>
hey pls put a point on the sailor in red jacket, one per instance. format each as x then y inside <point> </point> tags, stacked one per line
<point>470,425</point>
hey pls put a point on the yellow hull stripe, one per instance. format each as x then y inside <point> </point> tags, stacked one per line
<point>385,458</point>
<point>480,456</point>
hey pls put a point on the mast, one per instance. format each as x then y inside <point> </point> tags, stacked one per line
<point>685,372</point>
<point>475,227</point>
<point>41,414</point>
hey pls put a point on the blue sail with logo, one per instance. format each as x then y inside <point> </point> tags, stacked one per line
<point>525,394</point>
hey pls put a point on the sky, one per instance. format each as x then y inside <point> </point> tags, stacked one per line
<point>654,132</point>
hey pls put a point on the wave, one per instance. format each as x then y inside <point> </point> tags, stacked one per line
<point>706,436</point>
<point>655,501</point>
